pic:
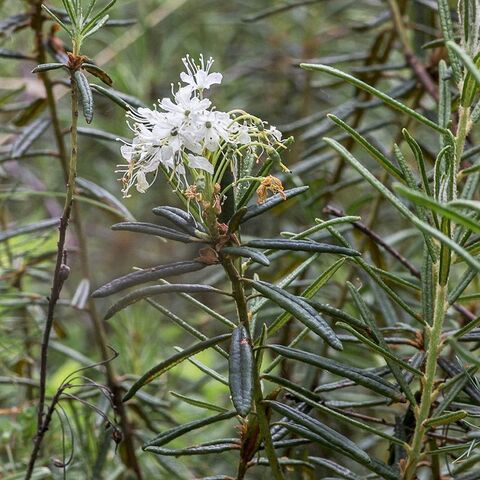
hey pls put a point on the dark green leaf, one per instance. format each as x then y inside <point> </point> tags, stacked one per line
<point>301,310</point>
<point>247,253</point>
<point>273,201</point>
<point>301,246</point>
<point>361,377</point>
<point>46,67</point>
<point>330,436</point>
<point>85,94</point>
<point>157,230</point>
<point>175,432</point>
<point>240,368</point>
<point>147,275</point>
<point>147,292</point>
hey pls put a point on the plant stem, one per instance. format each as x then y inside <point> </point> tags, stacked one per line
<point>60,275</point>
<point>433,347</point>
<point>238,293</point>
<point>129,458</point>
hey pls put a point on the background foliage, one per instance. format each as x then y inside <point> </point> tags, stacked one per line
<point>259,47</point>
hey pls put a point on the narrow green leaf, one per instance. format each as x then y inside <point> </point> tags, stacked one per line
<point>428,230</point>
<point>208,448</point>
<point>175,432</point>
<point>301,246</point>
<point>300,309</point>
<point>181,219</point>
<point>443,209</point>
<point>45,67</point>
<point>30,228</point>
<point>445,419</point>
<point>147,275</point>
<point>28,135</point>
<point>246,252</point>
<point>273,201</point>
<point>240,367</point>
<point>169,363</point>
<point>447,30</point>
<point>148,292</point>
<point>391,102</point>
<point>343,472</point>
<point>198,403</point>
<point>316,402</point>
<point>157,230</point>
<point>361,377</point>
<point>330,436</point>
<point>374,152</point>
<point>85,95</point>
<point>308,293</point>
<point>184,325</point>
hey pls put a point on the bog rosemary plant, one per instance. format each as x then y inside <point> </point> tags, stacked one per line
<point>342,348</point>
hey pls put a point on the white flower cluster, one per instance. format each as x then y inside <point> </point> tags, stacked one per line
<point>186,136</point>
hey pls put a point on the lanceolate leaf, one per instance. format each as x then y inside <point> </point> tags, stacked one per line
<point>240,367</point>
<point>179,218</point>
<point>308,293</point>
<point>336,440</point>
<point>127,102</point>
<point>148,292</point>
<point>85,94</point>
<point>442,209</point>
<point>45,67</point>
<point>273,201</point>
<point>33,227</point>
<point>98,72</point>
<point>445,419</point>
<point>364,378</point>
<point>176,432</point>
<point>105,196</point>
<point>300,310</point>
<point>311,399</point>
<point>343,472</point>
<point>373,151</point>
<point>391,102</point>
<point>166,365</point>
<point>198,403</point>
<point>246,252</point>
<point>209,448</point>
<point>147,275</point>
<point>157,230</point>
<point>374,465</point>
<point>301,246</point>
<point>427,229</point>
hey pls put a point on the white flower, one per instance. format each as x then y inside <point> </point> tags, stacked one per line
<point>200,163</point>
<point>199,76</point>
<point>275,133</point>
<point>241,133</point>
<point>184,134</point>
<point>185,104</point>
<point>213,128</point>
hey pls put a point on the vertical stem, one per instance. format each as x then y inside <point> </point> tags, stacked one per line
<point>60,275</point>
<point>433,347</point>
<point>130,457</point>
<point>238,293</point>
